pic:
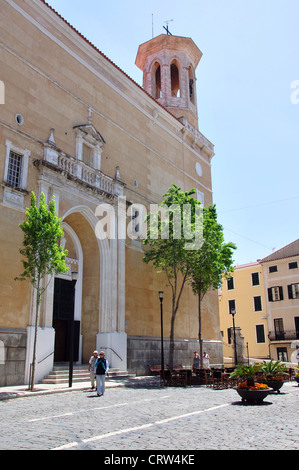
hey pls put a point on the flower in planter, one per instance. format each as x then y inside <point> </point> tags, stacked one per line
<point>271,378</point>
<point>255,386</point>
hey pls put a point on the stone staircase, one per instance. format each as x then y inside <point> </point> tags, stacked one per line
<point>60,374</point>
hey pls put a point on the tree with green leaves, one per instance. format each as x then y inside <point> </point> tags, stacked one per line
<point>42,254</point>
<point>169,239</point>
<point>207,265</point>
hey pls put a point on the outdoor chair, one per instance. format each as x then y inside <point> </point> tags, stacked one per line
<point>199,377</point>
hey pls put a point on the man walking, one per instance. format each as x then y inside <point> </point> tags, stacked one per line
<point>101,368</point>
<point>91,371</point>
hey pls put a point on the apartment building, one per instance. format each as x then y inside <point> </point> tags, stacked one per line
<point>281,279</point>
<point>243,296</point>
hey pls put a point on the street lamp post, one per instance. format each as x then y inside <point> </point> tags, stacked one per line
<point>161,293</point>
<point>233,313</point>
<point>71,348</point>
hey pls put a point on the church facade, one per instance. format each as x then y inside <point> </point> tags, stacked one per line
<point>77,128</point>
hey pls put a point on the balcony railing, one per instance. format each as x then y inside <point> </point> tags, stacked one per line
<point>80,172</point>
<point>283,335</point>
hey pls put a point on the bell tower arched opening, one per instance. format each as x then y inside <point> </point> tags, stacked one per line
<point>175,79</point>
<point>191,76</point>
<point>157,80</point>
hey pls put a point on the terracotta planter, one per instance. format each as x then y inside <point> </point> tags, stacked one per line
<point>252,396</point>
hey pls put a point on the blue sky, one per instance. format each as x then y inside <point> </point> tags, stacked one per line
<point>250,60</point>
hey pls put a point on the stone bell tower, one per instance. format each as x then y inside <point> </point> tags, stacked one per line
<point>168,64</point>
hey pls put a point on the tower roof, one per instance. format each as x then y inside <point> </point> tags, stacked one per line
<point>165,41</point>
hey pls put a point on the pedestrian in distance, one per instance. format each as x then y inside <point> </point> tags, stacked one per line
<point>91,371</point>
<point>101,368</point>
<point>196,361</point>
<point>206,360</point>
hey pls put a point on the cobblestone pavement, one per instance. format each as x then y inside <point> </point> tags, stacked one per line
<point>147,417</point>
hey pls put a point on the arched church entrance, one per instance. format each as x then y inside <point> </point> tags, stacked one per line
<point>76,303</point>
<point>99,301</point>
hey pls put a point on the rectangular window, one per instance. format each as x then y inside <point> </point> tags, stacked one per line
<point>293,291</point>
<point>229,335</point>
<point>273,269</point>
<point>282,354</point>
<point>255,277</point>
<point>279,330</point>
<point>293,265</point>
<point>87,155</point>
<point>275,293</point>
<point>260,333</point>
<point>257,303</point>
<point>14,169</point>
<point>230,283</point>
<point>231,306</point>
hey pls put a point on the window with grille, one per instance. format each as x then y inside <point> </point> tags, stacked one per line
<point>14,169</point>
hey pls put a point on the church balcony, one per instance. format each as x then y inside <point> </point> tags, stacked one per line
<point>79,172</point>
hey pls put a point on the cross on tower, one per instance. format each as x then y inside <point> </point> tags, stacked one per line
<point>166,29</point>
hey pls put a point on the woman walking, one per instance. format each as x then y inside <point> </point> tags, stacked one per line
<point>101,368</point>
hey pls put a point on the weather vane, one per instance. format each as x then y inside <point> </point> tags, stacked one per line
<point>166,29</point>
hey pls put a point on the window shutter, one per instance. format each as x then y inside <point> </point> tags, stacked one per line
<point>270,296</point>
<point>290,291</point>
<point>280,293</point>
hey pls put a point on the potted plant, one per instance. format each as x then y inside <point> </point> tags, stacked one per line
<point>249,389</point>
<point>273,374</point>
<point>296,376</point>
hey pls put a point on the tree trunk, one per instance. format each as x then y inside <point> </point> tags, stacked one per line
<point>171,338</point>
<point>199,331</point>
<point>175,307</point>
<point>32,375</point>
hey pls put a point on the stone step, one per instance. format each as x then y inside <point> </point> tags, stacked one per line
<point>60,374</point>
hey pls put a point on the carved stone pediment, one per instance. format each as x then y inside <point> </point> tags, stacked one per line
<point>90,133</point>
